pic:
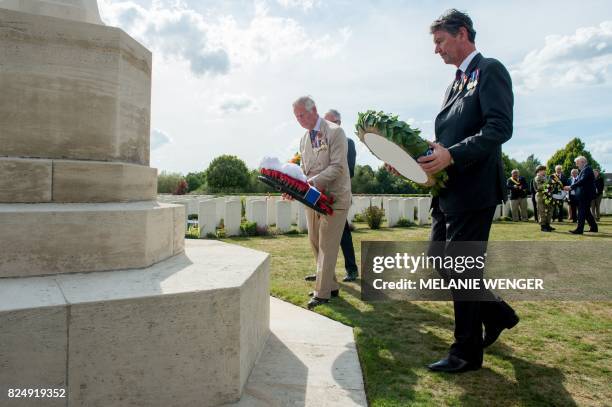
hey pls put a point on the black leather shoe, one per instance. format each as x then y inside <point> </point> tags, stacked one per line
<point>312,277</point>
<point>492,332</point>
<point>545,229</point>
<point>349,278</point>
<point>575,232</point>
<point>334,293</point>
<point>551,228</point>
<point>316,301</point>
<point>452,364</point>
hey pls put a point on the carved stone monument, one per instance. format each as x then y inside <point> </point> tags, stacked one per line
<point>99,294</point>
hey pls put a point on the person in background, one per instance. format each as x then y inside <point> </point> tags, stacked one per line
<point>561,180</point>
<point>585,192</point>
<point>346,244</point>
<point>599,188</point>
<point>572,201</point>
<point>544,209</point>
<point>534,202</point>
<point>517,185</point>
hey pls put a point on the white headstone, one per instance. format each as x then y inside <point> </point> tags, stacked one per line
<point>295,205</point>
<point>283,215</point>
<point>506,210</point>
<point>407,208</point>
<point>220,213</point>
<point>259,213</point>
<point>233,217</point>
<point>392,211</point>
<point>423,206</point>
<point>271,203</point>
<point>498,212</point>
<point>207,217</point>
<point>301,218</point>
<point>77,10</point>
<point>529,204</point>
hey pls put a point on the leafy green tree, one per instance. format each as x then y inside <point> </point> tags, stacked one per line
<point>364,180</point>
<point>255,185</point>
<point>167,182</point>
<point>565,157</point>
<point>227,173</point>
<point>509,165</point>
<point>195,180</point>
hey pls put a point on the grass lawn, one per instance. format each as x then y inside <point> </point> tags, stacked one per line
<point>560,354</point>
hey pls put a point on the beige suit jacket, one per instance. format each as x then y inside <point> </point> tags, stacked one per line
<point>328,165</point>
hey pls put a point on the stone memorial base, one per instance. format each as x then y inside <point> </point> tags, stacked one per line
<point>184,332</point>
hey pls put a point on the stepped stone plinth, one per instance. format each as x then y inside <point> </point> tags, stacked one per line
<point>99,295</point>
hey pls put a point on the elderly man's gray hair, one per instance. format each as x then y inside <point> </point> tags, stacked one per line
<point>334,113</point>
<point>515,171</point>
<point>580,158</point>
<point>305,101</point>
<point>558,166</point>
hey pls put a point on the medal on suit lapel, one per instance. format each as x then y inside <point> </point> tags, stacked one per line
<point>476,75</point>
<point>470,84</point>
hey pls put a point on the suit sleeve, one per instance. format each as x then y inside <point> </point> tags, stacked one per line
<point>351,157</point>
<point>338,147</point>
<point>585,177</point>
<point>496,104</point>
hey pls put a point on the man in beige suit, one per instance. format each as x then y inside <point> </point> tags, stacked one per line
<point>323,148</point>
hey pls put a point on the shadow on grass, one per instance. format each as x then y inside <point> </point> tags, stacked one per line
<point>397,340</point>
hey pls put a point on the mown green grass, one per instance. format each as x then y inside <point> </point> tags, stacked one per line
<point>559,355</point>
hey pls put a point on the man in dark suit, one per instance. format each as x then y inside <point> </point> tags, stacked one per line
<point>348,250</point>
<point>346,243</point>
<point>475,119</point>
<point>585,192</point>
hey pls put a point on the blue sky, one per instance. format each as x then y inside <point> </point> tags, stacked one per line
<point>226,72</point>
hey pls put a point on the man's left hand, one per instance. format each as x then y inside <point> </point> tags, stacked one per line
<point>567,188</point>
<point>438,160</point>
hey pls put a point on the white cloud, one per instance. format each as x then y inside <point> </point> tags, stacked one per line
<point>303,4</point>
<point>216,46</point>
<point>233,103</point>
<point>159,139</point>
<point>272,39</point>
<point>583,58</point>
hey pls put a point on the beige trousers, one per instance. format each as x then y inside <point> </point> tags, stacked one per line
<point>324,233</point>
<point>519,205</point>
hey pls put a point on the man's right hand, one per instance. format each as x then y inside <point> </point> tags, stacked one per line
<point>287,197</point>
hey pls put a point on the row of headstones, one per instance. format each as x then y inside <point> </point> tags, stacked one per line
<point>273,210</point>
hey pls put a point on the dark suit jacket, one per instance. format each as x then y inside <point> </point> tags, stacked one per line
<point>599,185</point>
<point>516,193</point>
<point>473,124</point>
<point>585,184</point>
<point>351,156</point>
